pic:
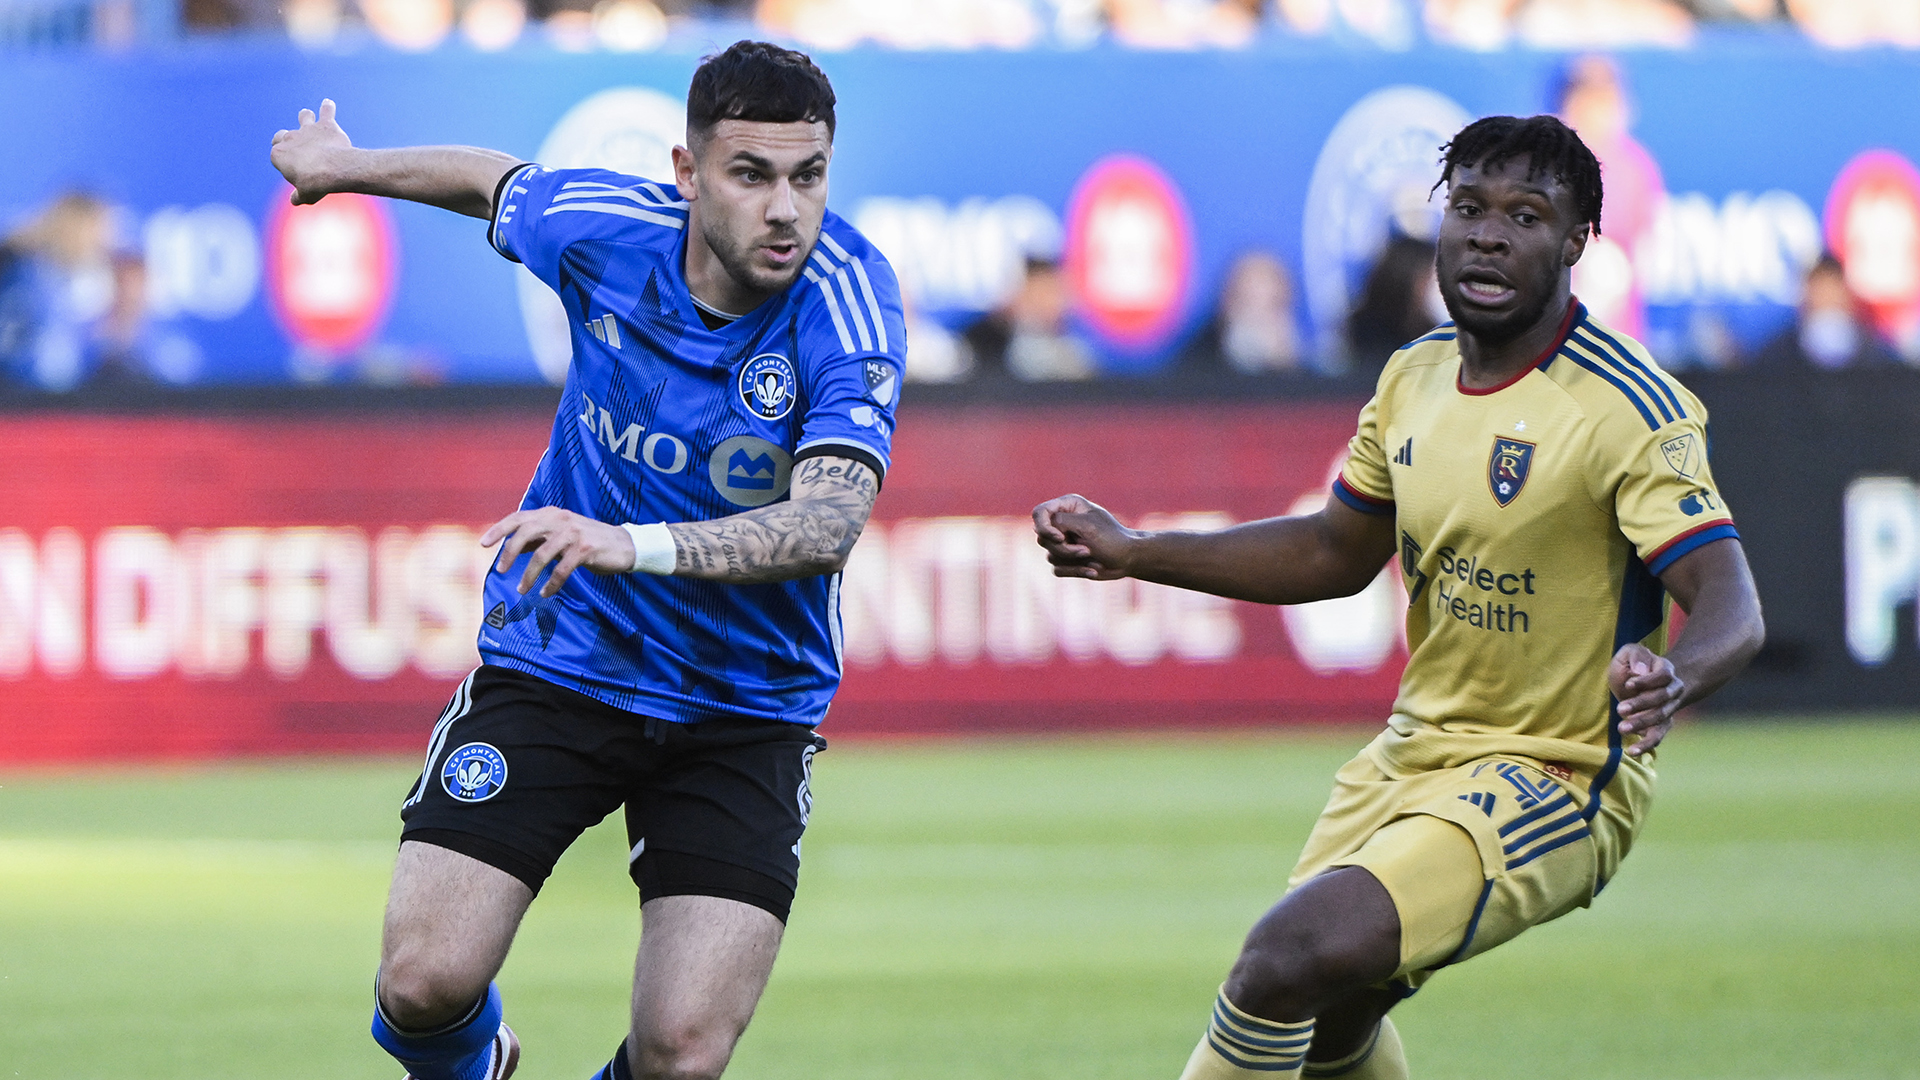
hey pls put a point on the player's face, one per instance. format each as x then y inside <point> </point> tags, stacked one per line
<point>1505,248</point>
<point>758,193</point>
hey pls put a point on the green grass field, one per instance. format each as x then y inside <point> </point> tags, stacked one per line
<point>1007,909</point>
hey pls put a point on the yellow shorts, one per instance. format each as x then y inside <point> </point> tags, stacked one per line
<point>1474,854</point>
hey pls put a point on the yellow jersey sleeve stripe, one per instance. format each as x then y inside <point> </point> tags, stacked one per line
<point>1443,332</point>
<point>1653,423</point>
<point>1658,378</point>
<point>1359,500</point>
<point>1697,537</point>
<point>1627,371</point>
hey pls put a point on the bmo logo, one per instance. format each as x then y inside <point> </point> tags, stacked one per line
<point>1129,251</point>
<point>1883,562</point>
<point>330,270</point>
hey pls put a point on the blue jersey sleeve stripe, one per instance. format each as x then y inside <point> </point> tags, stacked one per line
<point>833,308</point>
<point>834,246</point>
<point>619,193</point>
<point>1364,503</point>
<point>1612,360</point>
<point>840,446</point>
<point>1691,540</point>
<point>653,188</point>
<point>589,189</point>
<point>649,216</point>
<point>866,287</point>
<point>873,304</point>
<point>501,193</point>
<point>1658,380</point>
<point>853,309</point>
<point>1653,424</point>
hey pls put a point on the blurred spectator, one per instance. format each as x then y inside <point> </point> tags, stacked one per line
<point>57,283</point>
<point>1846,24</point>
<point>1561,24</point>
<point>1401,301</point>
<point>1385,23</point>
<point>1587,24</point>
<point>491,25</point>
<point>229,14</point>
<point>1184,24</point>
<point>934,355</point>
<point>1829,332</point>
<point>1253,330</point>
<point>409,25</point>
<point>73,308</point>
<point>1471,24</point>
<point>922,24</point>
<point>1737,11</point>
<point>1592,99</point>
<point>1029,337</point>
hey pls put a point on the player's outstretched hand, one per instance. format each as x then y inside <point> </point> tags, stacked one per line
<point>560,537</point>
<point>309,156</point>
<point>1649,691</point>
<point>1082,539</point>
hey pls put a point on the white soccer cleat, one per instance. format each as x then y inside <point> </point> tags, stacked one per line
<point>506,1055</point>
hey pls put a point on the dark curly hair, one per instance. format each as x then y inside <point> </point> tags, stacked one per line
<point>1550,147</point>
<point>755,80</point>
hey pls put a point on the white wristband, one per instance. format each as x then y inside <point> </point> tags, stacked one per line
<point>654,551</point>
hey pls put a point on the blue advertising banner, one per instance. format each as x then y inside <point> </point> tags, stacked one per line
<point>1145,176</point>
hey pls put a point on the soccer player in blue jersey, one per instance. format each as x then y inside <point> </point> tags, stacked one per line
<point>726,422</point>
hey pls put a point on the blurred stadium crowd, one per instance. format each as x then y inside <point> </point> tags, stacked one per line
<point>75,310</point>
<point>964,24</point>
<point>84,299</point>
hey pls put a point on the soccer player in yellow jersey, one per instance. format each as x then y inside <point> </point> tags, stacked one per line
<point>1545,487</point>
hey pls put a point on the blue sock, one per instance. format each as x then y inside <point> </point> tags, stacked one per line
<point>617,1069</point>
<point>462,1050</point>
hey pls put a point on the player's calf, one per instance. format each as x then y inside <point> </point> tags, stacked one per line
<point>1326,940</point>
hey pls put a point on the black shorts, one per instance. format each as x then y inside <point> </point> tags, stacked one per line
<point>518,768</point>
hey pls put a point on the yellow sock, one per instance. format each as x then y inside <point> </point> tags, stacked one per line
<point>1238,1046</point>
<point>1383,1058</point>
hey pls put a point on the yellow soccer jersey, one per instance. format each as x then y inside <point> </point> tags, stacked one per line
<point>1534,519</point>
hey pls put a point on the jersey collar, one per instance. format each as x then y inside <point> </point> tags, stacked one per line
<point>1576,313</point>
<point>744,326</point>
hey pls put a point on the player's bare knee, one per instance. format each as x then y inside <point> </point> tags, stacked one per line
<point>1288,971</point>
<point>418,993</point>
<point>682,1052</point>
<point>1272,983</point>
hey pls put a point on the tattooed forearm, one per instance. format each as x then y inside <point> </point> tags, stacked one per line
<point>809,534</point>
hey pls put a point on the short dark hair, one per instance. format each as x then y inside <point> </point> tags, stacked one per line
<point>1550,147</point>
<point>755,80</point>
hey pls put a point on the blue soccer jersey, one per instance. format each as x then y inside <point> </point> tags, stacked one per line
<point>664,419</point>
